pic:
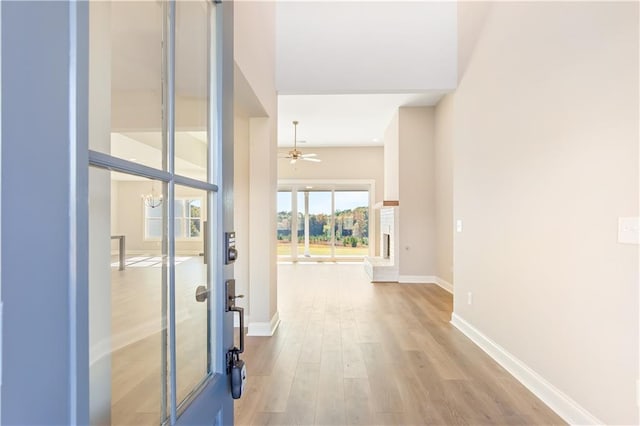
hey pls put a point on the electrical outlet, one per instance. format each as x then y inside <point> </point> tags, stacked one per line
<point>629,230</point>
<point>469,298</point>
<point>459,225</point>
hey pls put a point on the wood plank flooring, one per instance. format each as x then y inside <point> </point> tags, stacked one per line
<point>349,352</point>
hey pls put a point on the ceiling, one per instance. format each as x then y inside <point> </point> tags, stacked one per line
<point>333,60</point>
<point>343,68</point>
<point>343,120</point>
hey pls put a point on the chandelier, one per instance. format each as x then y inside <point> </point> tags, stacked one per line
<point>152,199</point>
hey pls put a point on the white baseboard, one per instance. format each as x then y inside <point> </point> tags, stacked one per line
<point>558,401</point>
<point>426,279</point>
<point>417,279</point>
<point>384,275</point>
<point>446,285</point>
<point>264,328</point>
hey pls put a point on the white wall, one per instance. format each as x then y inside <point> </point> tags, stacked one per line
<point>100,220</point>
<point>254,53</point>
<point>443,167</point>
<point>417,192</point>
<point>392,161</point>
<point>546,160</point>
<point>254,48</point>
<point>241,207</point>
<point>338,163</point>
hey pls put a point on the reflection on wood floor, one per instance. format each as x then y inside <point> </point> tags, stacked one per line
<point>136,361</point>
<point>352,352</point>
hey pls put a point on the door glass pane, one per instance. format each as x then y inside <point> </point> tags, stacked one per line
<point>127,301</point>
<point>125,80</point>
<point>192,316</point>
<point>316,239</point>
<point>352,223</point>
<point>285,222</point>
<point>191,85</point>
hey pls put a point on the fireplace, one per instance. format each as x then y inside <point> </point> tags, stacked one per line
<point>386,245</point>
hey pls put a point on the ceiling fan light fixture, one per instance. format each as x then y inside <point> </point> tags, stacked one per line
<point>294,154</point>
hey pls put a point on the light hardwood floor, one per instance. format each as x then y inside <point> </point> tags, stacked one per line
<point>351,352</point>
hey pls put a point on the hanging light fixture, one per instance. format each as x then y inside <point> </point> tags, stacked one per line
<point>152,199</point>
<point>295,154</point>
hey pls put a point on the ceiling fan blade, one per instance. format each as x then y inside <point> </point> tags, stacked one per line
<point>315,160</point>
<point>308,155</point>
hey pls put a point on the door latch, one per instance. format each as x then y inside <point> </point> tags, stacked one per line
<point>236,367</point>
<point>237,372</point>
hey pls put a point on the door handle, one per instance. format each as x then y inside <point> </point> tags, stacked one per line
<point>240,312</point>
<point>202,292</point>
<point>231,297</point>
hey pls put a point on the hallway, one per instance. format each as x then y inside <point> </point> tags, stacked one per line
<point>351,352</point>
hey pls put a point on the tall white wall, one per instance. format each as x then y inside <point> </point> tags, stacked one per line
<point>443,167</point>
<point>546,160</point>
<point>241,207</point>
<point>262,226</point>
<point>339,163</point>
<point>254,53</point>
<point>392,161</point>
<point>417,193</point>
<point>100,209</point>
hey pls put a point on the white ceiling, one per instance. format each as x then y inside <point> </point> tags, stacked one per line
<point>343,68</point>
<point>342,120</point>
<point>333,61</point>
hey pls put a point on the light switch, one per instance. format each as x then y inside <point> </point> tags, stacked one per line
<point>459,225</point>
<point>629,230</point>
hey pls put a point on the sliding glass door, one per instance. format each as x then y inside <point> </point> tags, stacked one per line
<point>352,223</point>
<point>323,223</point>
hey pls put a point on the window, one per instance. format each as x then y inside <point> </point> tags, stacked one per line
<point>188,217</point>
<point>332,221</point>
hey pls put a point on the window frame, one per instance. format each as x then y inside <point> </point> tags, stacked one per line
<point>183,219</point>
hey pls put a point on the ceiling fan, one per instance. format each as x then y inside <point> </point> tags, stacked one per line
<point>295,155</point>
